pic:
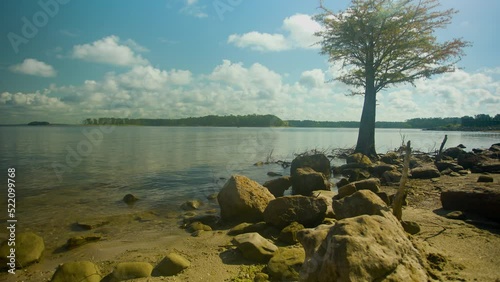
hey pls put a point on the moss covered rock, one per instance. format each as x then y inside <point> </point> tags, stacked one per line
<point>28,249</point>
<point>79,271</point>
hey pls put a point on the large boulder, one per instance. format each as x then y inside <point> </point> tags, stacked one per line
<point>286,263</point>
<point>483,201</point>
<point>29,248</point>
<point>312,238</point>
<point>392,176</point>
<point>469,160</point>
<point>81,271</point>
<point>255,247</point>
<point>308,211</point>
<point>425,172</point>
<point>379,169</point>
<point>453,152</point>
<point>318,162</point>
<point>288,235</point>
<point>365,248</point>
<point>360,203</point>
<point>278,186</point>
<point>305,180</point>
<point>358,158</point>
<point>242,199</point>
<point>443,165</point>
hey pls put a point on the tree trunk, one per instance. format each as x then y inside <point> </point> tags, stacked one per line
<point>366,136</point>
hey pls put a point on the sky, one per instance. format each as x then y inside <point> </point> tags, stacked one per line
<point>66,60</point>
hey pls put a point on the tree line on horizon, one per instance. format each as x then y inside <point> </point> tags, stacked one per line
<point>450,123</point>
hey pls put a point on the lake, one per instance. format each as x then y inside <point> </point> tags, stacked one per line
<point>72,172</point>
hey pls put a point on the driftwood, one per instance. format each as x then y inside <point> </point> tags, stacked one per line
<point>439,155</point>
<point>397,205</point>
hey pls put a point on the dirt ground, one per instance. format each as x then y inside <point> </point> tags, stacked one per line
<point>471,248</point>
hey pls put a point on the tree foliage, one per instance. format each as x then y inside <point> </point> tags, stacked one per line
<point>385,42</point>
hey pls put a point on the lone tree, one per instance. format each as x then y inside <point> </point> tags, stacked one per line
<point>386,42</point>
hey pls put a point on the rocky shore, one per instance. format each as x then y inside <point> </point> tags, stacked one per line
<point>296,228</point>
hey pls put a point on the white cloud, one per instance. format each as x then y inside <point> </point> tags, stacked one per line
<point>192,8</point>
<point>34,67</point>
<point>313,78</point>
<point>299,29</point>
<point>109,50</point>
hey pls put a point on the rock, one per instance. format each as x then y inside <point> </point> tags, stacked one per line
<point>443,165</point>
<point>456,215</point>
<point>255,247</point>
<point>312,238</point>
<point>130,199</point>
<point>410,227</point>
<point>305,180</point>
<point>384,197</point>
<point>191,205</point>
<point>207,219</point>
<point>261,277</point>
<point>461,146</point>
<point>490,167</point>
<point>242,199</point>
<point>372,184</point>
<point>453,152</point>
<point>483,201</point>
<point>464,172</point>
<point>342,182</point>
<point>392,176</point>
<point>89,225</point>
<point>131,270</point>
<point>259,163</point>
<point>29,249</point>
<point>485,178</point>
<point>357,174</point>
<point>455,174</point>
<point>246,227</point>
<point>81,271</point>
<point>278,186</point>
<point>288,234</point>
<point>425,173</point>
<point>195,226</point>
<point>358,158</point>
<point>346,190</point>
<point>286,263</point>
<point>359,203</point>
<point>78,241</point>
<point>436,261</point>
<point>365,248</point>
<point>328,197</point>
<point>379,170</point>
<point>172,264</point>
<point>318,162</point>
<point>469,160</point>
<point>390,158</point>
<point>273,174</point>
<point>446,172</point>
<point>212,196</point>
<point>308,211</point>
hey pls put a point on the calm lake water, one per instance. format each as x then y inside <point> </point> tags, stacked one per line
<point>71,171</point>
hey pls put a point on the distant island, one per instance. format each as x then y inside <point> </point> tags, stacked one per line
<point>467,123</point>
<point>39,123</point>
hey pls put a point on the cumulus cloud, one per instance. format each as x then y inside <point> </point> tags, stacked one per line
<point>34,67</point>
<point>110,50</point>
<point>313,78</point>
<point>298,30</point>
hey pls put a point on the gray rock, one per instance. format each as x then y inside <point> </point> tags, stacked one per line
<point>29,249</point>
<point>255,247</point>
<point>81,271</point>
<point>308,211</point>
<point>278,186</point>
<point>130,199</point>
<point>359,203</point>
<point>131,270</point>
<point>286,263</point>
<point>318,162</point>
<point>453,152</point>
<point>483,201</point>
<point>172,264</point>
<point>243,200</point>
<point>425,173</point>
<point>392,176</point>
<point>485,178</point>
<point>410,227</point>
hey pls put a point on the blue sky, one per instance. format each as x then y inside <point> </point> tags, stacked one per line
<point>65,60</point>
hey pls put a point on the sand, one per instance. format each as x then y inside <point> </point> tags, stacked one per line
<point>471,248</point>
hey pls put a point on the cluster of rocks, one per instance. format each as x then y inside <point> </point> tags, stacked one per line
<point>30,248</point>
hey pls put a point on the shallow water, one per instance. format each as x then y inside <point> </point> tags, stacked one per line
<point>69,173</point>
